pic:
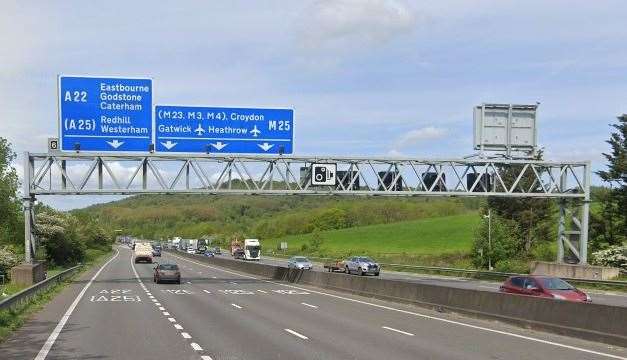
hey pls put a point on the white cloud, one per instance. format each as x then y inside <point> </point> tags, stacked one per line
<point>341,24</point>
<point>419,135</point>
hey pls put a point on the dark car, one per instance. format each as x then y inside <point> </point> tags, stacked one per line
<point>167,272</point>
<point>543,286</point>
<point>209,253</point>
<point>156,251</point>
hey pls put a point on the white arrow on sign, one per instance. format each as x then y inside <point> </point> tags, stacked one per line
<point>265,146</point>
<point>168,144</point>
<point>219,145</point>
<point>115,143</point>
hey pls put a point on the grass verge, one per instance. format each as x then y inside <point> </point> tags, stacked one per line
<point>13,319</point>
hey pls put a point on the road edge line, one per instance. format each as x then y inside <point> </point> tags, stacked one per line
<point>43,352</point>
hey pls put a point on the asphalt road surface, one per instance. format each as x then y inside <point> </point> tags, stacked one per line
<point>119,313</point>
<point>615,298</point>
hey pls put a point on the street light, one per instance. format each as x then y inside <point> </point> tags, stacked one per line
<point>489,217</point>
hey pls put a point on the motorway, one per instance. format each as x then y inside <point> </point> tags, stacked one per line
<point>117,312</point>
<point>615,298</point>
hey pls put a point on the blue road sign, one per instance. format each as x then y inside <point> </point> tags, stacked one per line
<point>192,129</point>
<point>105,114</point>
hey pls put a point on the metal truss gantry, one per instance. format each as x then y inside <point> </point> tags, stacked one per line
<point>129,174</point>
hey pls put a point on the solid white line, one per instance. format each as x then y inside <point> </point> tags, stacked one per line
<point>149,294</point>
<point>518,336</point>
<point>311,306</point>
<point>397,330</point>
<point>153,300</point>
<point>161,308</point>
<point>157,304</point>
<point>207,291</point>
<point>172,320</point>
<point>165,313</point>
<point>296,334</point>
<point>236,306</point>
<point>43,352</point>
<point>206,357</point>
<point>262,291</point>
<point>177,326</point>
<point>186,335</point>
<point>196,347</point>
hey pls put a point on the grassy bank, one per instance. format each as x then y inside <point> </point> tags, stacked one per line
<point>432,241</point>
<point>10,320</point>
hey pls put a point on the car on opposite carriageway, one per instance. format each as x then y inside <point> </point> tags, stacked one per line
<point>543,286</point>
<point>167,272</point>
<point>361,265</point>
<point>300,263</point>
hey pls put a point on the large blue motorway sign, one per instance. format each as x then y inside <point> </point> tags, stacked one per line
<point>105,114</point>
<point>191,129</point>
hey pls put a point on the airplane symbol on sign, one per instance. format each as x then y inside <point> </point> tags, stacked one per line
<point>255,131</point>
<point>199,130</point>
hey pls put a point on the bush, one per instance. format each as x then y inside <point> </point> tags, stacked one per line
<point>512,266</point>
<point>504,244</point>
<point>615,256</point>
<point>8,259</point>
<point>544,251</point>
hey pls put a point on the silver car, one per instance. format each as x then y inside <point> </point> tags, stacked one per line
<point>361,265</point>
<point>300,263</point>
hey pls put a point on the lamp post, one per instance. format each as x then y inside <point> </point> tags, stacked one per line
<point>489,217</point>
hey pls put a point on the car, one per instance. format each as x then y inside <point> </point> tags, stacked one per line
<point>167,272</point>
<point>361,265</point>
<point>217,251</point>
<point>299,262</point>
<point>156,251</point>
<point>543,286</point>
<point>209,253</point>
<point>191,250</point>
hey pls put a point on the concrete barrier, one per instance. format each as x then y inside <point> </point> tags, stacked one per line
<point>594,322</point>
<point>589,272</point>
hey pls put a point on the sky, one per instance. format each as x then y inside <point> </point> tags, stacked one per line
<point>364,77</point>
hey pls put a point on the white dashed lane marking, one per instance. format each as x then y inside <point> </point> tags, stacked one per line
<point>171,319</point>
<point>186,335</point>
<point>236,306</point>
<point>309,305</point>
<point>196,347</point>
<point>207,291</point>
<point>296,334</point>
<point>178,327</point>
<point>166,313</point>
<point>398,331</point>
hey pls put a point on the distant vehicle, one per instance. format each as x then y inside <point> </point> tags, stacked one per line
<point>167,272</point>
<point>216,250</point>
<point>252,249</point>
<point>544,286</point>
<point>299,262</point>
<point>337,265</point>
<point>235,246</point>
<point>156,251</point>
<point>143,252</point>
<point>201,248</point>
<point>361,265</point>
<point>209,253</point>
<point>239,254</point>
<point>191,250</point>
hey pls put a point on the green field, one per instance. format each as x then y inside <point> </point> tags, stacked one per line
<point>431,236</point>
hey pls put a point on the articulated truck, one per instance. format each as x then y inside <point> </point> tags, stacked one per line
<point>143,252</point>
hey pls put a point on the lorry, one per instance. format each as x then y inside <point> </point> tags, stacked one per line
<point>143,252</point>
<point>252,249</point>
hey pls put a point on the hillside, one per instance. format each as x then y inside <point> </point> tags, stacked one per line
<point>267,218</point>
<point>430,236</point>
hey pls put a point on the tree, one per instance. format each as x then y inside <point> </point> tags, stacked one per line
<point>59,236</point>
<point>611,227</point>
<point>499,245</point>
<point>532,217</point>
<point>11,225</point>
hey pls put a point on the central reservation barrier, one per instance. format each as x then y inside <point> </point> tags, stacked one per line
<point>594,322</point>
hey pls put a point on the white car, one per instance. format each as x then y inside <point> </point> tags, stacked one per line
<point>191,250</point>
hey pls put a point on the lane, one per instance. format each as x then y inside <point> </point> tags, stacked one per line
<point>344,326</point>
<point>116,320</point>
<point>598,296</point>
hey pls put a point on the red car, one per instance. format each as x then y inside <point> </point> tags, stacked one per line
<point>543,286</point>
